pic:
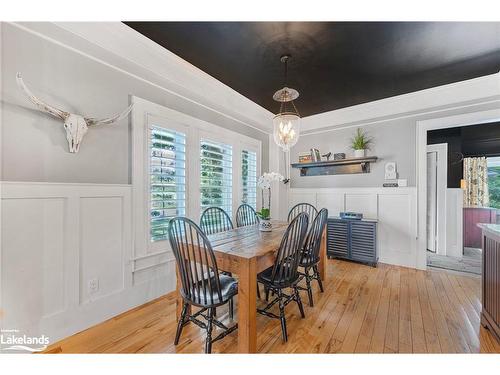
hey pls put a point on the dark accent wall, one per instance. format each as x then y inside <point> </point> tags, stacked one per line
<point>477,140</point>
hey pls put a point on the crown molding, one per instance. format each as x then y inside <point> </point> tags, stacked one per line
<point>475,91</point>
<point>120,47</point>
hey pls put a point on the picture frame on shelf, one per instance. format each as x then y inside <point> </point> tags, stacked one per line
<point>315,154</point>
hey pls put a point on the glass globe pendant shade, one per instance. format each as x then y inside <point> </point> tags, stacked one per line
<point>286,129</point>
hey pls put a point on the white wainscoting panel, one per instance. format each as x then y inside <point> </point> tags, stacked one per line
<point>32,258</point>
<point>56,238</point>
<point>306,197</point>
<point>365,203</point>
<point>101,250</point>
<point>334,203</point>
<point>397,229</point>
<point>394,208</point>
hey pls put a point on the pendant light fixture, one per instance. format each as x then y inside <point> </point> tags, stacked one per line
<point>286,124</point>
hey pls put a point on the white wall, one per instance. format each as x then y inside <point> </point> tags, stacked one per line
<point>393,141</point>
<point>78,75</point>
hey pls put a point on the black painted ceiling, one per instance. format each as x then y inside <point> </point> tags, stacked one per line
<point>334,64</point>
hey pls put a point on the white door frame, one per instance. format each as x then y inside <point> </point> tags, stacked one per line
<point>468,119</point>
<point>432,219</point>
<point>441,150</point>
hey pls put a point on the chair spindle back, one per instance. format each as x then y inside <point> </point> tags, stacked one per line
<point>195,261</point>
<point>215,220</point>
<point>312,243</point>
<point>246,215</point>
<point>308,208</point>
<point>287,260</point>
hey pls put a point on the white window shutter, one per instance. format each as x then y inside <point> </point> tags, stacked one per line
<point>249,178</point>
<point>216,175</point>
<point>168,179</point>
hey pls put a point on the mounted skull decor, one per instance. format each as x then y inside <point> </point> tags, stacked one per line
<point>76,125</point>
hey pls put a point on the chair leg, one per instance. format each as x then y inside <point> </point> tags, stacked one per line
<point>208,341</point>
<point>282,316</point>
<point>258,291</point>
<point>316,273</point>
<point>180,324</point>
<point>309,288</point>
<point>299,301</point>
<point>231,308</point>
<point>267,293</point>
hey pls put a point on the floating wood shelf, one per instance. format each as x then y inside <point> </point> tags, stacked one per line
<point>331,167</point>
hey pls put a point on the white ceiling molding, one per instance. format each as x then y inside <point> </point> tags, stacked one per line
<point>460,94</point>
<point>123,48</point>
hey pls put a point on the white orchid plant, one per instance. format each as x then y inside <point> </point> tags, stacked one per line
<point>264,183</point>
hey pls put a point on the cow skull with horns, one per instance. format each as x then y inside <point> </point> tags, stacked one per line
<point>76,125</point>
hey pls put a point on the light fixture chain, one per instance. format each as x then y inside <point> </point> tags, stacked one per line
<point>295,108</point>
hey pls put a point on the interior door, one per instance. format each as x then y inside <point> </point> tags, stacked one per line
<point>431,200</point>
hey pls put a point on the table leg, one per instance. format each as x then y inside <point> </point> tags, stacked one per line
<point>322,256</point>
<point>247,306</point>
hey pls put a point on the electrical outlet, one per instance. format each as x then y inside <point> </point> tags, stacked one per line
<point>93,286</point>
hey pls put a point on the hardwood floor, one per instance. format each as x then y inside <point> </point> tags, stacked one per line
<point>387,309</point>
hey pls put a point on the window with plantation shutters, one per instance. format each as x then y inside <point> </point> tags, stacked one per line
<point>167,179</point>
<point>216,175</point>
<point>249,178</point>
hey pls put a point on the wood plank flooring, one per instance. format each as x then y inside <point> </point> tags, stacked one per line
<point>387,309</point>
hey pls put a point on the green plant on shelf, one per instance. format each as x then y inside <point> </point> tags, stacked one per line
<point>361,140</point>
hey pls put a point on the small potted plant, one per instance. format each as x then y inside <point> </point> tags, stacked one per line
<point>360,143</point>
<point>264,183</point>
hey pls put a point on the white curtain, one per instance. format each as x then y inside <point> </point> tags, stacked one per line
<point>476,182</point>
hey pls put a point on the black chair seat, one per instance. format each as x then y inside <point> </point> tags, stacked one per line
<point>228,289</point>
<point>265,277</point>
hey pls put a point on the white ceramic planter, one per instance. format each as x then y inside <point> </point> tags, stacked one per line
<point>359,153</point>
<point>265,225</point>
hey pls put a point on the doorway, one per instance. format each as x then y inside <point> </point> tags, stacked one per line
<point>427,245</point>
<point>462,190</point>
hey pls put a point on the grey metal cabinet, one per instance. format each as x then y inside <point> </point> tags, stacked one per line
<point>353,240</point>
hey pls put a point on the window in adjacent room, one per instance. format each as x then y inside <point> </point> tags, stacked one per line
<point>494,181</point>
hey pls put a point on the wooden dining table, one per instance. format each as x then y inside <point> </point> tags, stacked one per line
<point>245,252</point>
